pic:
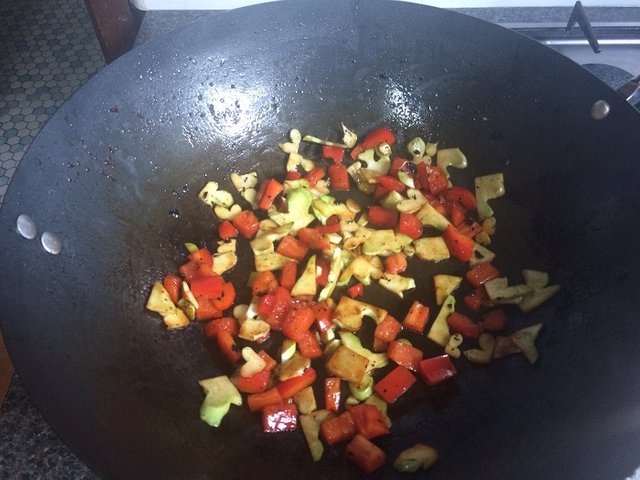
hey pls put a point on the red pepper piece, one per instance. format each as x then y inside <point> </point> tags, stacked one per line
<point>339,176</point>
<point>462,196</point>
<point>410,225</point>
<point>323,315</point>
<point>380,192</point>
<point>265,304</point>
<point>355,290</point>
<point>469,228</point>
<point>377,136</point>
<point>475,300</point>
<point>396,263</point>
<point>392,184</point>
<point>332,393</point>
<point>256,383</point>
<point>288,275</point>
<point>263,283</point>
<point>293,176</point>
<point>399,165</point>
<point>437,181</point>
<point>281,308</point>
<point>459,246</point>
<point>336,154</point>
<point>457,214</point>
<point>355,151</point>
<point>338,429</point>
<point>368,456</point>
<point>395,384</point>
<point>228,346</point>
<point>280,418</point>
<point>268,193</point>
<point>481,273</point>
<point>382,217</point>
<point>379,345</point>
<point>369,421</point>
<point>332,225</point>
<point>269,363</point>
<point>207,309</point>
<point>298,322</point>
<point>314,176</point>
<point>290,387</point>
<point>206,287</point>
<point>437,369</point>
<point>258,401</point>
<point>313,239</point>
<point>323,276</point>
<point>405,355</point>
<point>416,318</point>
<point>226,230</point>
<point>308,345</point>
<point>172,284</point>
<point>387,330</point>
<point>246,223</point>
<point>226,298</point>
<point>494,320</point>
<point>227,324</point>
<point>463,325</point>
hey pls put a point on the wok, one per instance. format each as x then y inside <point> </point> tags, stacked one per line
<point>116,171</point>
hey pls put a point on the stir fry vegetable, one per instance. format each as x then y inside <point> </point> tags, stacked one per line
<point>315,256</point>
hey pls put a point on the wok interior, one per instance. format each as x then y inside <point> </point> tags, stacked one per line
<point>114,162</point>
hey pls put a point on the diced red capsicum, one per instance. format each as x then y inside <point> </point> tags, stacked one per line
<point>290,387</point>
<point>226,230</point>
<point>246,223</point>
<point>481,273</point>
<point>387,330</point>
<point>258,401</point>
<point>339,176</point>
<point>392,184</point>
<point>288,275</point>
<point>369,421</point>
<point>476,299</point>
<point>269,362</point>
<point>338,429</point>
<point>405,355</point>
<point>172,284</point>
<point>332,225</point>
<point>265,304</point>
<point>367,455</point>
<point>336,154</point>
<point>263,283</point>
<point>324,315</point>
<point>206,287</point>
<point>460,246</point>
<point>298,322</point>
<point>396,263</point>
<point>313,239</point>
<point>462,196</point>
<point>322,267</point>
<point>494,320</point>
<point>256,383</point>
<point>280,418</point>
<point>308,345</point>
<point>377,136</point>
<point>268,193</point>
<point>227,324</point>
<point>332,393</point>
<point>228,346</point>
<point>457,213</point>
<point>314,176</point>
<point>463,325</point>
<point>395,384</point>
<point>416,318</point>
<point>355,290</point>
<point>436,370</point>
<point>409,224</point>
<point>397,165</point>
<point>281,308</point>
<point>382,217</point>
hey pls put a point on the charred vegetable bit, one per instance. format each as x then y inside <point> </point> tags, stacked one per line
<point>323,266</point>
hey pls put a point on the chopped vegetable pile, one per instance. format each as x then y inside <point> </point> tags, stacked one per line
<point>315,256</point>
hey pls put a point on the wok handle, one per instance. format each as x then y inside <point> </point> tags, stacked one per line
<point>629,89</point>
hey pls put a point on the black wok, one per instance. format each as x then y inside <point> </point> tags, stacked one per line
<point>116,171</point>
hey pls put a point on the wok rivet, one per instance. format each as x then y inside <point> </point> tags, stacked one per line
<point>600,110</point>
<point>26,227</point>
<point>51,243</point>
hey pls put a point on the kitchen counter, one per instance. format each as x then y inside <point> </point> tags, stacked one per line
<point>28,446</point>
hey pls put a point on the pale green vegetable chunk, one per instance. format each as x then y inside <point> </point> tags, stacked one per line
<point>220,394</point>
<point>420,456</point>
